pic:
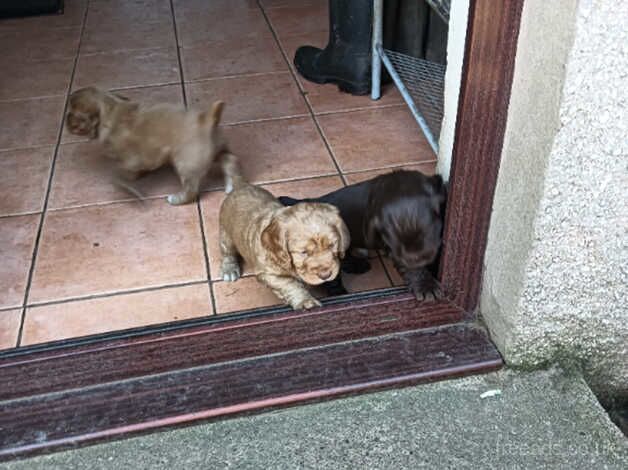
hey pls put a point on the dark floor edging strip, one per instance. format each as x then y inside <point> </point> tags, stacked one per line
<point>26,376</point>
<point>48,422</point>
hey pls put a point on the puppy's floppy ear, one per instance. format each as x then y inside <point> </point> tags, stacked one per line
<point>343,235</point>
<point>83,119</point>
<point>439,192</point>
<point>275,242</point>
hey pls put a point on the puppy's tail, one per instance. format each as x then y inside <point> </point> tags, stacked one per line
<point>290,201</point>
<point>232,172</point>
<point>128,187</point>
<point>212,117</point>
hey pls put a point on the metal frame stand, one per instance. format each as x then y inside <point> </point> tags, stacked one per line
<point>420,82</point>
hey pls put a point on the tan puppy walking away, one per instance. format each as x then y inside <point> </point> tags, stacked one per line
<point>141,138</point>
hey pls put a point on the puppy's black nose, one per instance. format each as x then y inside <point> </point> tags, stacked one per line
<point>324,275</point>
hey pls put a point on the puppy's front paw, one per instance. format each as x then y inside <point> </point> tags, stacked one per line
<point>228,185</point>
<point>427,290</point>
<point>355,265</point>
<point>173,199</point>
<point>335,287</point>
<point>307,304</point>
<point>230,271</point>
<point>179,199</point>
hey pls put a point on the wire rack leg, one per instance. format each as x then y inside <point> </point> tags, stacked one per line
<point>408,99</point>
<point>376,61</point>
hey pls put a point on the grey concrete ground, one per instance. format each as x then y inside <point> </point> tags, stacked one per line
<point>541,420</point>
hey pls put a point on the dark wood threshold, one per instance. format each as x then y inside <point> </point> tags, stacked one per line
<point>106,361</point>
<point>87,390</point>
<point>221,371</point>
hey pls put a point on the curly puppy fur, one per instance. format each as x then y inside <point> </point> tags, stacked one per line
<point>143,138</point>
<point>287,247</point>
<point>399,212</point>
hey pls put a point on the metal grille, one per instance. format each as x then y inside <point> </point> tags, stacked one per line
<point>425,82</point>
<point>441,7</point>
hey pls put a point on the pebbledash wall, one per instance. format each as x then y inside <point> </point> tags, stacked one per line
<point>555,280</point>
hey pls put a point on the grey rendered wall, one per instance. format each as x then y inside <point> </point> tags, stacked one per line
<point>555,274</point>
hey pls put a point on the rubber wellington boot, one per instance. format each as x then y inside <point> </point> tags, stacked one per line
<point>346,60</point>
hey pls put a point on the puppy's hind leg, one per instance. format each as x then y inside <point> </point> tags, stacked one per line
<point>189,192</point>
<point>230,267</point>
<point>231,170</point>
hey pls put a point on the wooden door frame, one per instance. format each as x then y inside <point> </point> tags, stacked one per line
<point>80,365</point>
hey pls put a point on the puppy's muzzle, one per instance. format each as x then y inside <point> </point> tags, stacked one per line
<point>325,274</point>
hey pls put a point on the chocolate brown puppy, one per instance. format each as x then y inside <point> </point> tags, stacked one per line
<point>399,212</point>
<point>287,247</point>
<point>139,139</point>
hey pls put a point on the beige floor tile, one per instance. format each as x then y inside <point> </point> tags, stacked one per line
<point>105,249</point>
<point>87,317</point>
<point>279,150</point>
<point>35,79</point>
<point>232,57</point>
<point>23,179</point>
<point>126,69</point>
<point>102,36</point>
<point>22,45</point>
<point>17,240</point>
<point>249,98</point>
<point>299,19</point>
<point>244,294</point>
<point>28,123</point>
<point>229,24</point>
<point>375,138</point>
<point>9,327</point>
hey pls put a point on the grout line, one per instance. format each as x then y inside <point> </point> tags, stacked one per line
<point>139,87</point>
<point>19,214</point>
<point>121,51</point>
<point>329,149</point>
<point>307,103</point>
<point>49,185</point>
<point>31,98</point>
<point>124,49</point>
<point>145,85</point>
<point>199,210</point>
<point>210,284</point>
<point>105,295</point>
<point>295,180</point>
<point>28,147</point>
<point>163,196</point>
<point>8,309</point>
<point>228,124</point>
<point>129,200</point>
<point>177,46</point>
<point>390,167</point>
<point>221,188</point>
<point>276,118</point>
<point>372,107</point>
<point>237,75</point>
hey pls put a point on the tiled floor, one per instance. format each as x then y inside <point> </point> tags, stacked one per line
<point>77,256</point>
